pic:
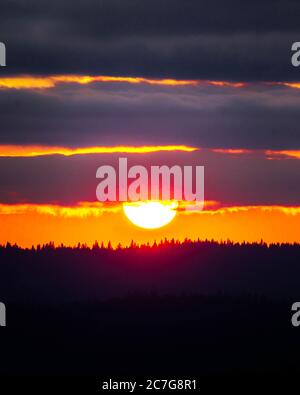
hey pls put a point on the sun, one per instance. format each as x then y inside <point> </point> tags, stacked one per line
<point>150,214</point>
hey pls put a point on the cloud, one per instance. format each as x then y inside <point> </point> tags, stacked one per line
<point>117,113</point>
<point>246,179</point>
<point>33,151</point>
<point>181,39</point>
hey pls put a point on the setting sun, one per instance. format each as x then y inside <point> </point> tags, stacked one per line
<point>151,214</point>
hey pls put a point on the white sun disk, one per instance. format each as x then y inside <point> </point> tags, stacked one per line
<point>150,215</point>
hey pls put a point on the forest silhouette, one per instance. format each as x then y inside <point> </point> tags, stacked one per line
<point>50,273</point>
<point>194,308</point>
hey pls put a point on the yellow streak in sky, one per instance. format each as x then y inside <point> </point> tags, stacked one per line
<point>26,82</point>
<point>32,82</point>
<point>231,151</point>
<point>39,150</point>
<point>46,82</point>
<point>288,210</point>
<point>32,151</point>
<point>81,210</point>
<point>227,84</point>
<point>85,209</point>
<point>295,85</point>
<point>294,154</point>
<point>51,81</point>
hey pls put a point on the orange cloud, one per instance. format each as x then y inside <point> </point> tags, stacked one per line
<point>231,151</point>
<point>46,82</point>
<point>295,85</point>
<point>26,82</point>
<point>32,82</point>
<point>227,84</point>
<point>288,210</point>
<point>81,210</point>
<point>51,81</point>
<point>293,154</point>
<point>32,151</point>
<point>40,150</point>
<point>269,154</point>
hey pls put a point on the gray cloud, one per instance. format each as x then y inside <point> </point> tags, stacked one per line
<point>107,114</point>
<point>249,179</point>
<point>174,38</point>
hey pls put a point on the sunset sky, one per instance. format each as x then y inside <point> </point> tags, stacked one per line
<point>163,83</point>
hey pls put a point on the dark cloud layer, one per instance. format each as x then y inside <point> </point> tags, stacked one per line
<point>230,40</point>
<point>124,114</point>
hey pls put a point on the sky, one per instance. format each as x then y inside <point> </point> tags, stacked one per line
<point>212,76</point>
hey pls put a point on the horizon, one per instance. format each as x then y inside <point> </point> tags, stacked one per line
<point>100,245</point>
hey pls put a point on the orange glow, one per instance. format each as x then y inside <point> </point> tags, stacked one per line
<point>131,80</point>
<point>32,82</point>
<point>294,154</point>
<point>46,82</point>
<point>82,210</point>
<point>227,84</point>
<point>295,85</point>
<point>32,151</point>
<point>51,81</point>
<point>26,82</point>
<point>39,150</point>
<point>30,224</point>
<point>288,210</point>
<point>231,151</point>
